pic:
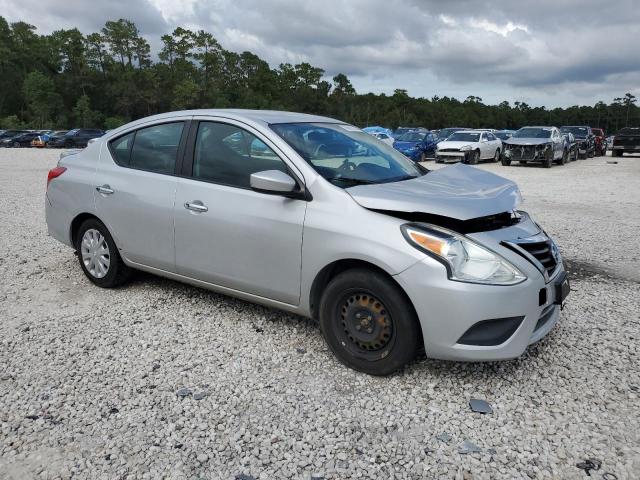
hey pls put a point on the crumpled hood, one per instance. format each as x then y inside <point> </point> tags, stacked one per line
<point>527,141</point>
<point>456,144</point>
<point>459,191</point>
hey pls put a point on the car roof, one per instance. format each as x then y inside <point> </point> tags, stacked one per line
<point>260,116</point>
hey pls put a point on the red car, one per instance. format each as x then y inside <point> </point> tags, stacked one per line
<point>600,140</point>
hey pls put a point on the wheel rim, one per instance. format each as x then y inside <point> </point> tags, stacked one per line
<point>95,253</point>
<point>365,325</point>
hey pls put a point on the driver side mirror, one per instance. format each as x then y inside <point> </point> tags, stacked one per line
<point>275,182</point>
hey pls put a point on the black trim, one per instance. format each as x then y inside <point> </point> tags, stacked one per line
<point>489,333</point>
<point>181,146</point>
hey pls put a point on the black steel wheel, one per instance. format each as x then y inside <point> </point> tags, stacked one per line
<point>368,322</point>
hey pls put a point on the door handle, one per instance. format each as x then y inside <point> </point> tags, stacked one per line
<point>105,189</point>
<point>196,206</point>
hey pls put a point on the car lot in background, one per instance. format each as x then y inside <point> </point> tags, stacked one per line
<point>626,140</point>
<point>600,141</point>
<point>418,145</point>
<point>584,138</point>
<point>384,137</point>
<point>469,146</point>
<point>21,140</point>
<point>76,138</point>
<point>544,145</point>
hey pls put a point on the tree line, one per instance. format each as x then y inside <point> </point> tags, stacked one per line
<point>107,78</point>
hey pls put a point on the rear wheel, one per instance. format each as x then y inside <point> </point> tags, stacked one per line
<point>368,322</point>
<point>564,159</point>
<point>618,153</point>
<point>98,255</point>
<point>16,145</point>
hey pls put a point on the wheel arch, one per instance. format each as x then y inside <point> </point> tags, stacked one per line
<point>76,222</point>
<point>330,271</point>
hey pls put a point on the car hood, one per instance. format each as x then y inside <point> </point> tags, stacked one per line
<point>454,144</point>
<point>459,191</point>
<point>405,145</point>
<point>528,141</point>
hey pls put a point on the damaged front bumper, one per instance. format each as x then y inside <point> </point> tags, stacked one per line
<point>473,322</point>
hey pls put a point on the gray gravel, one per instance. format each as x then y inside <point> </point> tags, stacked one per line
<point>158,379</point>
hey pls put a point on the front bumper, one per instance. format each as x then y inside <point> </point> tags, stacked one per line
<point>528,154</point>
<point>447,309</point>
<point>453,156</point>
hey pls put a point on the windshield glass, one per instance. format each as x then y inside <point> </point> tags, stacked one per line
<point>445,132</point>
<point>580,132</point>
<point>412,137</point>
<point>532,132</point>
<point>503,135</point>
<point>345,155</point>
<point>464,137</point>
<point>71,132</point>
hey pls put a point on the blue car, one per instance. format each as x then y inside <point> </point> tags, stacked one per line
<point>418,145</point>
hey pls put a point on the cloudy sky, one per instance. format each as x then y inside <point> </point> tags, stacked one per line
<point>543,52</point>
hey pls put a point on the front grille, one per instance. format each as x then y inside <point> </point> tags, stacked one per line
<point>543,252</point>
<point>522,152</point>
<point>449,150</point>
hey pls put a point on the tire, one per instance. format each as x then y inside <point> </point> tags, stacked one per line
<point>475,158</point>
<point>68,144</point>
<point>548,161</point>
<point>91,235</point>
<point>496,157</point>
<point>591,153</point>
<point>618,153</point>
<point>361,299</point>
<point>506,162</point>
<point>564,159</point>
<point>15,145</point>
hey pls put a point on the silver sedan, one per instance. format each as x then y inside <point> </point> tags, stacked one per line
<point>312,215</point>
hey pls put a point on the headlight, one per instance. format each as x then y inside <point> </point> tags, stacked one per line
<point>466,148</point>
<point>466,261</point>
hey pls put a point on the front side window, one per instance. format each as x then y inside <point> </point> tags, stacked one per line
<point>345,155</point>
<point>228,155</point>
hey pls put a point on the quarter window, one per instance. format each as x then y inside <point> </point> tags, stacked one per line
<point>229,155</point>
<point>121,148</point>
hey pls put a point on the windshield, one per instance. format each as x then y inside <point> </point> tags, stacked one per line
<point>533,132</point>
<point>345,155</point>
<point>445,132</point>
<point>412,137</point>
<point>71,132</point>
<point>503,135</point>
<point>580,132</point>
<point>464,137</point>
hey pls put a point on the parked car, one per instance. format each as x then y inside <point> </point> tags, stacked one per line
<point>20,141</point>
<point>600,140</point>
<point>377,129</point>
<point>8,135</point>
<point>418,145</point>
<point>398,132</point>
<point>584,138</point>
<point>76,138</point>
<point>444,133</point>
<point>469,146</point>
<point>571,145</point>
<point>504,135</point>
<point>626,140</point>
<point>395,258</point>
<point>610,139</point>
<point>384,137</point>
<point>536,145</point>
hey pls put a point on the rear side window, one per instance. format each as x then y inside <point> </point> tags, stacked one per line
<point>121,149</point>
<point>154,149</point>
<point>229,155</point>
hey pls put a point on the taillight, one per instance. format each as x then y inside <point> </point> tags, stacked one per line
<point>55,173</point>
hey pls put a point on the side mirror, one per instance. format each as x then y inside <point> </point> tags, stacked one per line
<point>274,182</point>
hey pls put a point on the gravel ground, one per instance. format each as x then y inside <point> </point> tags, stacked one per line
<point>158,379</point>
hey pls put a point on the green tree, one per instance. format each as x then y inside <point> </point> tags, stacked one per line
<point>42,98</point>
<point>83,115</point>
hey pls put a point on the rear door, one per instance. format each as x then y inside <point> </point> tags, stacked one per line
<point>228,234</point>
<point>135,191</point>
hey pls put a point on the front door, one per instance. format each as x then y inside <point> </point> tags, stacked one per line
<point>226,233</point>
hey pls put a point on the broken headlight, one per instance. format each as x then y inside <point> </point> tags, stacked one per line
<point>465,260</point>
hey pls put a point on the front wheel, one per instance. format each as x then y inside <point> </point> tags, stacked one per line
<point>591,153</point>
<point>98,255</point>
<point>548,160</point>
<point>368,322</point>
<point>496,156</point>
<point>506,162</point>
<point>475,157</point>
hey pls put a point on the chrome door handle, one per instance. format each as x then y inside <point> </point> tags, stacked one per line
<point>196,206</point>
<point>105,189</point>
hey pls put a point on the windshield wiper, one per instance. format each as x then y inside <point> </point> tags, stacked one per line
<point>353,181</point>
